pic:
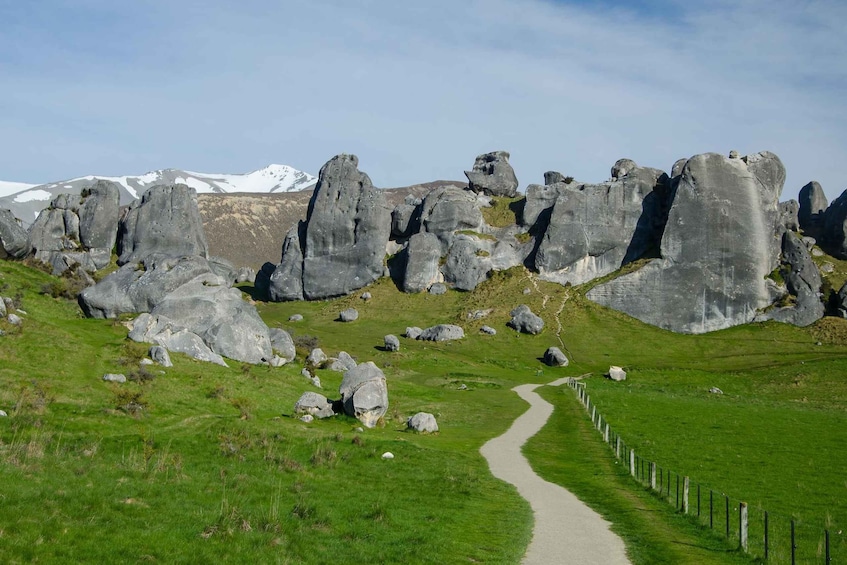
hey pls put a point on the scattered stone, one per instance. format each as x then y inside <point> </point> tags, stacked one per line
<point>316,381</point>
<point>146,361</point>
<point>555,358</point>
<point>160,355</point>
<point>488,330</point>
<point>421,262</point>
<point>3,414</point>
<point>527,291</point>
<point>14,319</point>
<point>2,308</point>
<point>523,320</point>
<point>616,373</point>
<point>316,357</point>
<point>360,430</point>
<point>462,386</point>
<point>366,296</point>
<point>388,455</point>
<point>392,343</point>
<point>114,378</point>
<point>438,289</point>
<point>305,372</point>
<point>479,314</point>
<point>493,175</point>
<point>277,361</point>
<point>343,363</point>
<point>817,252</point>
<point>245,275</point>
<point>364,393</point>
<point>422,422</point>
<point>413,332</point>
<point>282,343</point>
<point>307,418</point>
<point>295,318</point>
<point>349,315</point>
<point>314,404</point>
<point>442,332</point>
<point>715,390</point>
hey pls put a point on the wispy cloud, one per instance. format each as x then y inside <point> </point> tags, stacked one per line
<point>418,90</point>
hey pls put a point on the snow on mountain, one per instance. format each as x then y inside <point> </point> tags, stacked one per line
<point>28,200</point>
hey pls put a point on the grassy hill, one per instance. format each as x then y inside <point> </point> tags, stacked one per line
<point>201,463</point>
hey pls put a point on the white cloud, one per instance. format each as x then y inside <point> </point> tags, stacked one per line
<point>418,90</point>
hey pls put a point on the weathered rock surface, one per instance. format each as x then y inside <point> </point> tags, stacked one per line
<point>114,378</point>
<point>422,422</point>
<point>833,235</point>
<point>493,175</point>
<point>803,281</point>
<point>788,215</point>
<point>98,216</point>
<point>173,337</point>
<point>346,231</point>
<point>813,204</point>
<point>405,218</point>
<point>523,320</point>
<point>286,281</point>
<point>364,393</point>
<point>160,355</point>
<point>595,229</point>
<point>447,210</point>
<point>391,343</point>
<point>165,221</point>
<point>413,332</point>
<point>314,404</point>
<point>14,241</point>
<point>282,343</point>
<point>421,256</point>
<point>488,330</point>
<point>468,263</point>
<point>719,244</point>
<point>344,362</point>
<point>437,289</point>
<point>555,358</point>
<point>442,332</point>
<point>616,373</point>
<point>348,315</point>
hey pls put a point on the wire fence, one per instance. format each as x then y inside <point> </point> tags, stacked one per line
<point>773,538</point>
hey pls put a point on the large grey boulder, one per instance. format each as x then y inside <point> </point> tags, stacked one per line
<point>344,362</point>
<point>314,404</point>
<point>789,214</point>
<point>413,332</point>
<point>442,332</point>
<point>98,216</point>
<point>422,422</point>
<point>555,358</point>
<point>493,175</point>
<point>347,228</point>
<point>524,321</point>
<point>720,242</point>
<point>172,336</point>
<point>405,218</point>
<point>593,230</point>
<point>364,394</point>
<point>421,257</point>
<point>282,343</point>
<point>160,355</point>
<point>540,199</point>
<point>14,241</point>
<point>468,262</point>
<point>803,281</point>
<point>316,357</point>
<point>391,343</point>
<point>447,210</point>
<point>813,205</point>
<point>165,220</point>
<point>833,235</point>
<point>348,315</point>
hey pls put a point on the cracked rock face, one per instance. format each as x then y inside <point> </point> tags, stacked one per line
<point>720,242</point>
<point>364,394</point>
<point>493,175</point>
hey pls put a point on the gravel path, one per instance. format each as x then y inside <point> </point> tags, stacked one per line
<point>566,531</point>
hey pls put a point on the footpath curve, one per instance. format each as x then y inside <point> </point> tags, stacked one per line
<point>566,531</point>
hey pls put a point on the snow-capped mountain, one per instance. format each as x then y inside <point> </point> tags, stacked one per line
<point>28,200</point>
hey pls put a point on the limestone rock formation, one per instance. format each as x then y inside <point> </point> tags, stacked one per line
<point>421,262</point>
<point>447,210</point>
<point>803,281</point>
<point>595,229</point>
<point>364,393</point>
<point>14,241</point>
<point>616,373</point>
<point>348,315</point>
<point>833,235</point>
<point>493,175</point>
<point>789,215</point>
<point>282,344</point>
<point>555,358</point>
<point>164,221</point>
<point>342,243</point>
<point>391,343</point>
<point>286,280</point>
<point>422,422</point>
<point>720,242</point>
<point>442,332</point>
<point>524,321</point>
<point>314,404</point>
<point>468,262</point>
<point>813,204</point>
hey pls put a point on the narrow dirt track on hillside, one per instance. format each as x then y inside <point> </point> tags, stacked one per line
<point>566,531</point>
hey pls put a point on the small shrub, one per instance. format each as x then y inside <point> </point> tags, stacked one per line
<point>244,406</point>
<point>304,344</point>
<point>129,401</point>
<point>523,237</point>
<point>141,375</point>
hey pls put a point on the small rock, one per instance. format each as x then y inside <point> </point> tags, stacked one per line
<point>818,343</point>
<point>316,381</point>
<point>817,252</point>
<point>359,429</point>
<point>388,455</point>
<point>160,355</point>
<point>349,315</point>
<point>146,361</point>
<point>3,414</point>
<point>616,373</point>
<point>305,372</point>
<point>277,361</point>
<point>314,404</point>
<point>526,290</point>
<point>438,289</point>
<point>392,343</point>
<point>365,296</point>
<point>488,330</point>
<point>343,363</point>
<point>316,357</point>
<point>827,267</point>
<point>413,333</point>
<point>809,242</point>
<point>114,378</point>
<point>21,312</point>
<point>715,390</point>
<point>14,319</point>
<point>442,332</point>
<point>307,418</point>
<point>555,358</point>
<point>422,422</point>
<point>295,318</point>
<point>479,314</point>
<point>463,386</point>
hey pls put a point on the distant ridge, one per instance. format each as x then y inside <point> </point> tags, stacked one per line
<point>27,200</point>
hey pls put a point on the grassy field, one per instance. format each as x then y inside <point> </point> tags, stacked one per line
<point>204,463</point>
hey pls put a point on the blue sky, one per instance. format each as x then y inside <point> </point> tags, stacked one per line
<point>418,90</point>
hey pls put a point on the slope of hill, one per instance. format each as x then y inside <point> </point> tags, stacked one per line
<point>29,200</point>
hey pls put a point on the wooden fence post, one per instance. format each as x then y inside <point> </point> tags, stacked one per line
<point>606,433</point>
<point>632,462</point>
<point>742,525</point>
<point>618,446</point>
<point>653,475</point>
<point>685,487</point>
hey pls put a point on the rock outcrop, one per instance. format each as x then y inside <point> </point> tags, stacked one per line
<point>803,282</point>
<point>441,332</point>
<point>341,246</point>
<point>421,262</point>
<point>833,235</point>
<point>14,242</point>
<point>595,229</point>
<point>525,321</point>
<point>164,221</point>
<point>720,242</point>
<point>422,422</point>
<point>813,204</point>
<point>493,175</point>
<point>555,358</point>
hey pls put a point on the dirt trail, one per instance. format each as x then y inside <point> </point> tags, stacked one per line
<point>566,531</point>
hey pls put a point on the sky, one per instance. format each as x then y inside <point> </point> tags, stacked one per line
<point>418,90</point>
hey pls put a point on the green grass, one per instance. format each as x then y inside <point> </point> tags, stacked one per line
<point>205,463</point>
<point>503,211</point>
